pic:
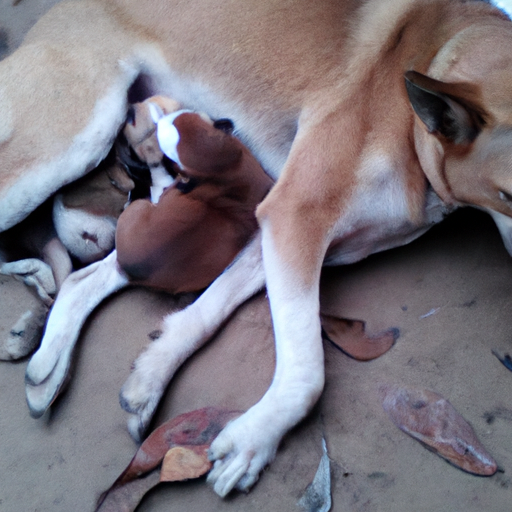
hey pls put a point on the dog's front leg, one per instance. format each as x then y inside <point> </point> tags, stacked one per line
<point>185,332</point>
<point>296,220</point>
<point>81,292</point>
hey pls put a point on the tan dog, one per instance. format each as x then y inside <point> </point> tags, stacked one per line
<point>378,117</point>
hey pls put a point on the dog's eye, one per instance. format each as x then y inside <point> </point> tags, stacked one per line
<point>226,125</point>
<point>505,196</point>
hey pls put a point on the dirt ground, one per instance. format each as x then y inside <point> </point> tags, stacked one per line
<point>449,293</point>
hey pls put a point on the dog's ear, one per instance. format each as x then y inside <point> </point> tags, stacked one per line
<point>448,110</point>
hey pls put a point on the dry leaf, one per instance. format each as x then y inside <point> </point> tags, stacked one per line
<point>198,427</point>
<point>432,420</point>
<point>193,431</point>
<point>185,462</point>
<point>350,336</point>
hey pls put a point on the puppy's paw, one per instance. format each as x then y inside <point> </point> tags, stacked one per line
<point>25,334</point>
<point>35,274</point>
<point>240,453</point>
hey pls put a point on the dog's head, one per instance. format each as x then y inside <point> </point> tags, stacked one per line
<point>140,131</point>
<point>463,131</point>
<point>202,148</point>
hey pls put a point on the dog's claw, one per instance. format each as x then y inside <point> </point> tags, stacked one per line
<point>141,403</point>
<point>240,452</point>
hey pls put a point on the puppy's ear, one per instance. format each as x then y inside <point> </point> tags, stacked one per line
<point>448,110</point>
<point>155,111</point>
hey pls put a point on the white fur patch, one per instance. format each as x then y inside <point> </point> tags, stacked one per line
<point>88,237</point>
<point>168,135</point>
<point>160,180</point>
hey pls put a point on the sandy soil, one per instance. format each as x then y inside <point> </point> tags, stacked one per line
<point>449,293</point>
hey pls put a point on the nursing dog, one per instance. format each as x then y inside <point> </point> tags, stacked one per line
<point>377,118</point>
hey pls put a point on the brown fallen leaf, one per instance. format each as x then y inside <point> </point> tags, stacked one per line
<point>350,336</point>
<point>429,418</point>
<point>126,498</point>
<point>193,432</point>
<point>199,427</point>
<point>185,462</point>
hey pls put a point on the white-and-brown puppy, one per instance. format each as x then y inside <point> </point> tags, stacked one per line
<point>79,222</point>
<point>378,118</point>
<point>140,133</point>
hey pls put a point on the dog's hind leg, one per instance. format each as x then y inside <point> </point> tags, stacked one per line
<point>186,331</point>
<point>63,99</point>
<point>81,292</point>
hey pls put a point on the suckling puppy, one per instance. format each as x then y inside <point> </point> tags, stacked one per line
<point>77,223</point>
<point>140,134</point>
<point>204,219</point>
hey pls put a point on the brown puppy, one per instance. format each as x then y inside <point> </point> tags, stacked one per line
<point>203,220</point>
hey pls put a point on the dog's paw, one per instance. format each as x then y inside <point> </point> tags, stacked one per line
<point>139,396</point>
<point>240,452</point>
<point>35,274</point>
<point>46,375</point>
<point>25,335</point>
<point>42,365</point>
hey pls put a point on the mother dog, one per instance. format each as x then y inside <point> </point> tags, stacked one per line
<point>378,117</point>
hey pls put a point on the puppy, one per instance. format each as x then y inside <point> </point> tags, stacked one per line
<point>77,224</point>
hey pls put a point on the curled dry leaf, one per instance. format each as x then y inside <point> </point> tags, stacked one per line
<point>350,336</point>
<point>429,418</point>
<point>185,462</point>
<point>192,432</point>
<point>317,496</point>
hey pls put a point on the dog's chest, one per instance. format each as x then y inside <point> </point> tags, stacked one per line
<point>387,209</point>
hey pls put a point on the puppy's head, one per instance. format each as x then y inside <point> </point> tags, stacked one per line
<point>140,129</point>
<point>202,148</point>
